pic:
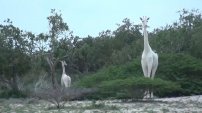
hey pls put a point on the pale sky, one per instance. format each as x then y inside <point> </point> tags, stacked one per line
<point>89,17</point>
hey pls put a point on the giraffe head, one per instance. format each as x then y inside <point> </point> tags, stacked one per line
<point>63,63</point>
<point>144,20</point>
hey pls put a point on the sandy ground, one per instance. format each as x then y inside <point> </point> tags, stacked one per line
<point>190,104</point>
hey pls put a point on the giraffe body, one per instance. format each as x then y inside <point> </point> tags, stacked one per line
<point>149,63</point>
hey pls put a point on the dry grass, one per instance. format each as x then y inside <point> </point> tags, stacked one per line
<point>166,105</point>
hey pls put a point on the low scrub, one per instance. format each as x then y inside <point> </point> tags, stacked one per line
<point>111,73</point>
<point>177,74</point>
<point>183,69</point>
<point>12,94</point>
<point>134,87</point>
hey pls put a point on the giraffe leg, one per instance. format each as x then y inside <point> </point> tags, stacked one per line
<point>149,69</point>
<point>153,72</point>
<point>152,95</point>
<point>155,65</point>
<point>146,94</point>
<point>150,64</point>
<point>144,68</point>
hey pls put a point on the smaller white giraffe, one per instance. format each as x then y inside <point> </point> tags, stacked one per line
<point>65,79</point>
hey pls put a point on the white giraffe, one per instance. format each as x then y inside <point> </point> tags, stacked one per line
<point>65,79</point>
<point>149,59</point>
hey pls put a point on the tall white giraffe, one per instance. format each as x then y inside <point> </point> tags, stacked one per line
<point>149,59</point>
<point>65,79</point>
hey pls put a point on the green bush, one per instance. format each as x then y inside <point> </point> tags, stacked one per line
<point>177,74</point>
<point>183,69</point>
<point>134,87</point>
<point>12,94</point>
<point>111,73</point>
<point>91,80</point>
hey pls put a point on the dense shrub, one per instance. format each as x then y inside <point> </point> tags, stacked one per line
<point>134,87</point>
<point>111,73</point>
<point>177,74</point>
<point>183,69</point>
<point>13,94</point>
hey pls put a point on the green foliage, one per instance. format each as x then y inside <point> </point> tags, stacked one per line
<point>183,69</point>
<point>134,87</point>
<point>12,94</point>
<point>125,82</point>
<point>183,36</point>
<point>108,60</point>
<point>111,73</point>
<point>14,55</point>
<point>179,65</point>
<point>177,74</point>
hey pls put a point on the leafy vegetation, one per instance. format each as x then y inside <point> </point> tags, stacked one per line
<point>109,62</point>
<point>127,81</point>
<point>183,69</point>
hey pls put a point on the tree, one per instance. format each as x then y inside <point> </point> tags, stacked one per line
<point>14,56</point>
<point>182,36</point>
<point>127,33</point>
<point>57,30</point>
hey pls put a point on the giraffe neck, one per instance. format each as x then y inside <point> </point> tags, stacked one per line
<point>63,69</point>
<point>146,41</point>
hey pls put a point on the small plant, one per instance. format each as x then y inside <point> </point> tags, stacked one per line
<point>95,105</point>
<point>60,95</point>
<point>165,110</point>
<point>101,105</point>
